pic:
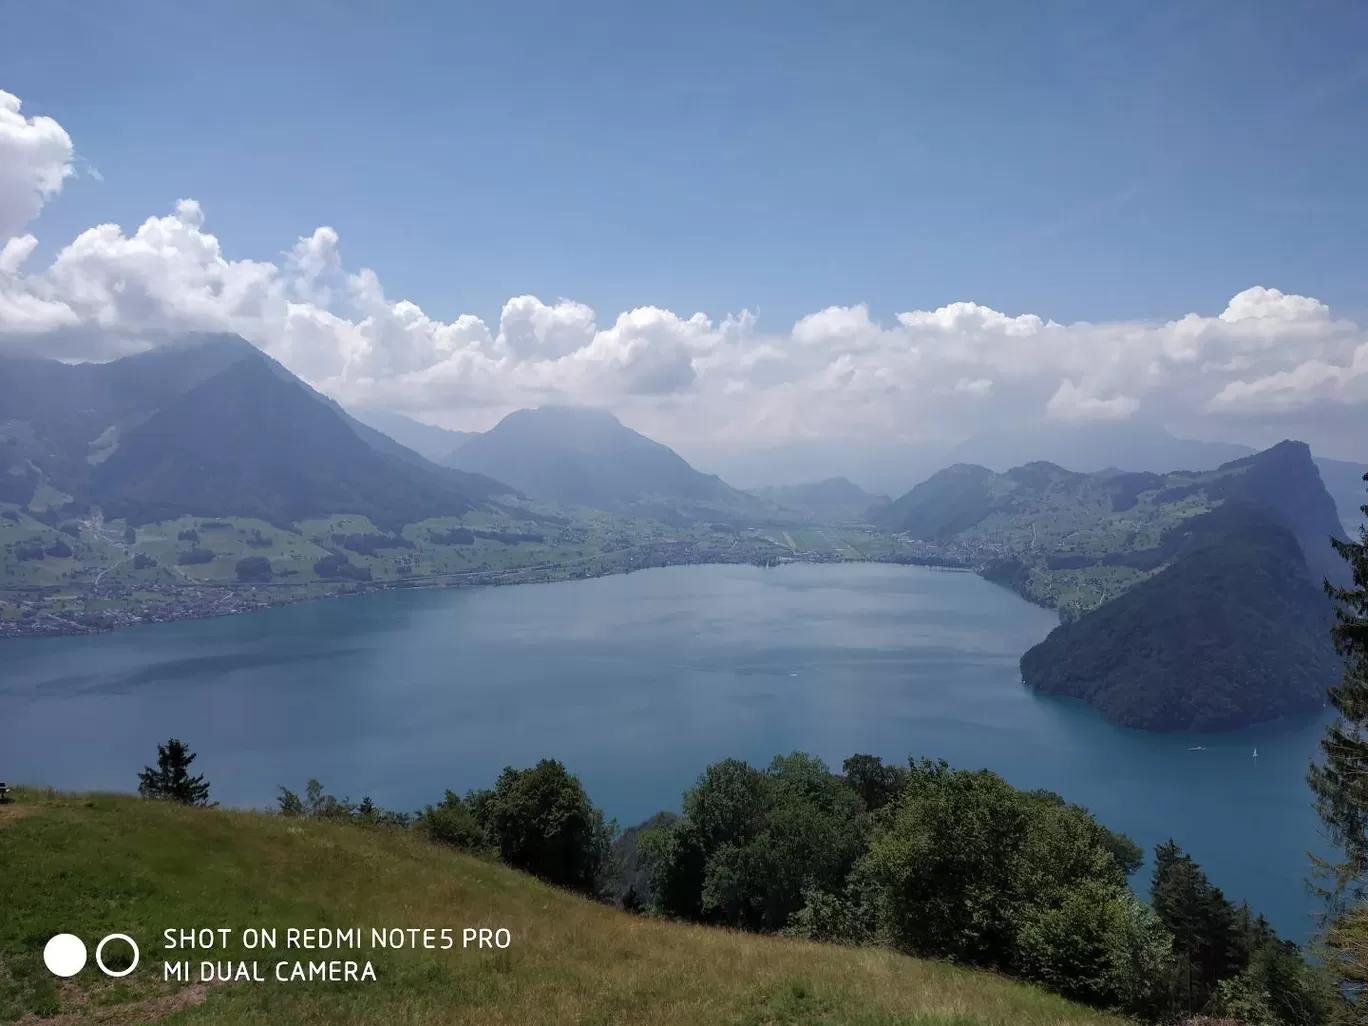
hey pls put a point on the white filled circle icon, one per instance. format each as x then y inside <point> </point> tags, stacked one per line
<point>65,955</point>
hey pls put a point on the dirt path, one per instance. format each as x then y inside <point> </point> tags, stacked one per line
<point>149,1010</point>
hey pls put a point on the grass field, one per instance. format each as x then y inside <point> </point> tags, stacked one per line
<point>98,864</point>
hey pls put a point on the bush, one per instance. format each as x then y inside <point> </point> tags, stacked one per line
<point>318,805</point>
<point>58,550</point>
<point>1099,945</point>
<point>142,561</point>
<point>193,557</point>
<point>451,822</point>
<point>190,535</point>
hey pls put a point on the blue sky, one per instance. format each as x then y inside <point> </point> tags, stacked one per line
<point>1075,160</point>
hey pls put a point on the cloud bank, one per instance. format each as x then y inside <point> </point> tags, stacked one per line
<point>838,372</point>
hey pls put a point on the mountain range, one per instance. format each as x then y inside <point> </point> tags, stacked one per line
<point>835,498</point>
<point>892,466</point>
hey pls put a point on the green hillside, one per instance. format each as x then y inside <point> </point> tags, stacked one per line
<point>97,864</point>
<point>1234,631</point>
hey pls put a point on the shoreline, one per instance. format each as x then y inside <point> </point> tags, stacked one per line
<point>250,600</point>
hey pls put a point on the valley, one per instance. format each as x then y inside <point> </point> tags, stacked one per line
<point>203,479</point>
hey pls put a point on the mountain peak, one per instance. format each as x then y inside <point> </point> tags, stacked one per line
<point>585,456</point>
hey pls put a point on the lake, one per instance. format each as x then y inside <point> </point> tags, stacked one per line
<point>637,682</point>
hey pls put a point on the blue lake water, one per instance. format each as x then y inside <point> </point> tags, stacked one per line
<point>637,682</point>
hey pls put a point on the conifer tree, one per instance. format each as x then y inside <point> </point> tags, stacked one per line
<point>171,780</point>
<point>1340,780</point>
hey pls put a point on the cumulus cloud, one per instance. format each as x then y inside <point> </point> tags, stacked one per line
<point>938,374</point>
<point>35,158</point>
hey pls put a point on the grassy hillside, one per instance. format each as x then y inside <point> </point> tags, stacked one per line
<point>96,864</point>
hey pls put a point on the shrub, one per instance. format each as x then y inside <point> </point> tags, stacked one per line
<point>451,822</point>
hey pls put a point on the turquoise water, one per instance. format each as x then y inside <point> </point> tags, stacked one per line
<point>637,682</point>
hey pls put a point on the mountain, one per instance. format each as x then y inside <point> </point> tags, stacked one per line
<point>948,502</point>
<point>1141,447</point>
<point>876,465</point>
<point>1190,600</point>
<point>1045,511</point>
<point>208,426</point>
<point>586,457</point>
<point>836,498</point>
<point>1233,632</point>
<point>431,442</point>
<point>1133,446</point>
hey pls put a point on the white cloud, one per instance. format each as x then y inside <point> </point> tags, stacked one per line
<point>35,158</point>
<point>840,371</point>
<point>1072,403</point>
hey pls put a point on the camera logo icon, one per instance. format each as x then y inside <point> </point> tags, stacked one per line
<point>65,955</point>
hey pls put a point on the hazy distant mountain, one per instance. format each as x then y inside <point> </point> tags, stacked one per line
<point>1089,447</point>
<point>836,498</point>
<point>433,443</point>
<point>876,465</point>
<point>208,426</point>
<point>585,457</point>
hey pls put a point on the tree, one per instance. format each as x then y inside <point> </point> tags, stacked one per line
<point>1207,942</point>
<point>171,780</point>
<point>755,845</point>
<point>874,782</point>
<point>1340,780</point>
<point>541,821</point>
<point>253,568</point>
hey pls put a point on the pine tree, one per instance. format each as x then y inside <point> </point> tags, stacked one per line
<point>1208,944</point>
<point>1340,780</point>
<point>171,780</point>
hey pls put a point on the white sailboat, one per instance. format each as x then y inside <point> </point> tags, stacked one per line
<point>1256,753</point>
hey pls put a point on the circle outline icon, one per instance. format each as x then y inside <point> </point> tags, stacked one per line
<point>99,948</point>
<point>64,949</point>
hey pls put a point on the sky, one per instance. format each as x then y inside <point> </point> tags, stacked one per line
<point>733,223</point>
